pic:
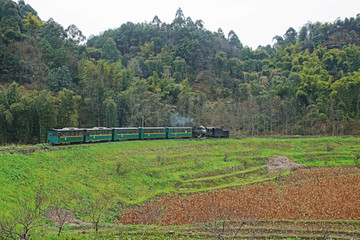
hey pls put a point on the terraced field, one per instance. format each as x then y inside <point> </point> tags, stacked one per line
<point>310,203</point>
<point>175,189</point>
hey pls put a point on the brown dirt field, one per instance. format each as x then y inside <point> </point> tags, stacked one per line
<point>309,194</point>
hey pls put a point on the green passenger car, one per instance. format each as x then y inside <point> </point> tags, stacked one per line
<point>66,135</point>
<point>98,134</point>
<point>152,132</point>
<point>126,134</point>
<point>178,132</point>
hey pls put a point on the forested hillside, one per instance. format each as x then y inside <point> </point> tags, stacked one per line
<point>157,74</point>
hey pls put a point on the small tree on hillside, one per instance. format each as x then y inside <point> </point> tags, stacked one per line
<point>214,218</point>
<point>96,209</point>
<point>24,219</point>
<point>60,214</point>
<point>151,216</point>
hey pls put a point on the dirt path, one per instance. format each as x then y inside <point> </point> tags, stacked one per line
<point>32,149</point>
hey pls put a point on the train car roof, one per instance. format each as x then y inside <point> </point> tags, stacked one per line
<point>153,128</point>
<point>132,128</point>
<point>67,129</point>
<point>98,128</point>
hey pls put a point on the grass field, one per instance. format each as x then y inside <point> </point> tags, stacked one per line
<point>131,173</point>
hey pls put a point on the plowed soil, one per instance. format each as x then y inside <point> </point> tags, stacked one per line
<point>308,194</point>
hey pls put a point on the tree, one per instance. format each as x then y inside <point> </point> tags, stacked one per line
<point>46,112</point>
<point>59,214</point>
<point>147,50</point>
<point>220,62</point>
<point>54,33</point>
<point>110,113</point>
<point>67,108</point>
<point>74,34</point>
<point>188,50</point>
<point>21,125</point>
<point>279,41</point>
<point>47,50</point>
<point>3,130</point>
<point>10,22</point>
<point>96,209</point>
<point>290,36</point>
<point>151,216</point>
<point>23,220</point>
<point>179,18</point>
<point>214,217</point>
<point>156,21</point>
<point>109,51</point>
<point>199,24</point>
<point>179,69</point>
<point>32,23</point>
<point>60,79</point>
<point>234,41</point>
<point>303,34</point>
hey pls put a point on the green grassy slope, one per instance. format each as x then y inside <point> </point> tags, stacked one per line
<point>139,170</point>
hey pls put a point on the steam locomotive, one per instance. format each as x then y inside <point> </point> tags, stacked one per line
<point>99,134</point>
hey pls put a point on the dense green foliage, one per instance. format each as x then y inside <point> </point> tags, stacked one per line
<point>146,74</point>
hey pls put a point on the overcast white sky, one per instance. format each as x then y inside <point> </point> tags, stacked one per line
<point>255,22</point>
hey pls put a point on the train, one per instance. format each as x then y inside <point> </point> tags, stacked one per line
<point>101,134</point>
